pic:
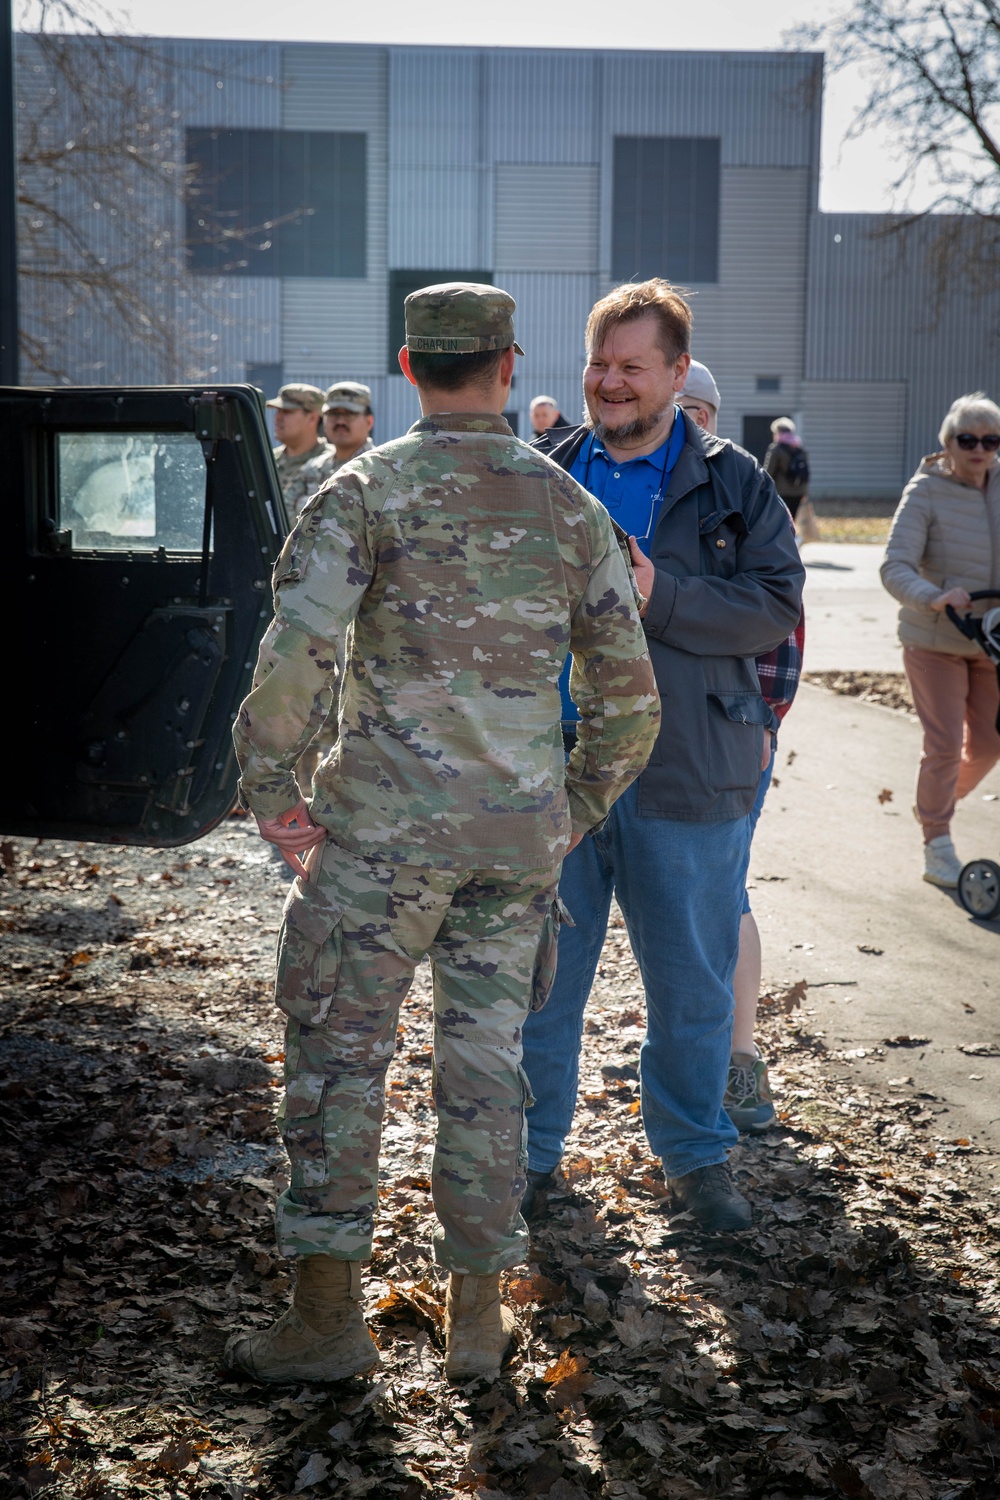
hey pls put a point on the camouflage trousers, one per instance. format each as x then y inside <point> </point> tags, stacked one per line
<point>349,943</point>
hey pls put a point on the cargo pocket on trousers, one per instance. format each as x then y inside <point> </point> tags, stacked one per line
<point>301,1124</point>
<point>544,975</point>
<point>310,948</point>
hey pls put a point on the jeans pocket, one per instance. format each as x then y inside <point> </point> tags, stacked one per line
<point>310,948</point>
<point>544,974</point>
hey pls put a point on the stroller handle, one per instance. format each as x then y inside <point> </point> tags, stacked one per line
<point>969,625</point>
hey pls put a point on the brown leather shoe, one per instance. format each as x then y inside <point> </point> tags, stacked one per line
<point>477,1328</point>
<point>322,1336</point>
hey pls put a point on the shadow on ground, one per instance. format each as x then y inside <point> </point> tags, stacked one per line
<point>847,1345</point>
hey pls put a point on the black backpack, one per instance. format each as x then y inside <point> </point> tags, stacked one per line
<point>797,472</point>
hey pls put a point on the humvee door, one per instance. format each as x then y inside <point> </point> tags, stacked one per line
<point>139,531</point>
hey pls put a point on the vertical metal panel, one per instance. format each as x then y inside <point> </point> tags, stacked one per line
<point>550,318</point>
<point>874,415</point>
<point>398,408</point>
<point>225,83</point>
<point>540,105</point>
<point>753,321</point>
<point>761,105</point>
<point>434,217</point>
<point>333,326</point>
<point>435,96</point>
<point>439,190</point>
<point>546,217</point>
<point>886,306</point>
<point>339,326</point>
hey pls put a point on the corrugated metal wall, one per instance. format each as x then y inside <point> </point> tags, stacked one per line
<point>546,217</point>
<point>232,321</point>
<point>890,307</point>
<point>339,324</point>
<point>502,159</point>
<point>440,185</point>
<point>753,322</point>
<point>866,419</point>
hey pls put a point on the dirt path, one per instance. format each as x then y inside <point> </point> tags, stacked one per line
<point>847,1345</point>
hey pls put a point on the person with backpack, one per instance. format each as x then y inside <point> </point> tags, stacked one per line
<point>788,464</point>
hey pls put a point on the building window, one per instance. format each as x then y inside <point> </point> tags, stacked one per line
<point>401,284</point>
<point>769,382</point>
<point>277,203</point>
<point>666,208</point>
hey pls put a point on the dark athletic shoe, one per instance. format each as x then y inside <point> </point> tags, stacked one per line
<point>535,1194</point>
<point>711,1195</point>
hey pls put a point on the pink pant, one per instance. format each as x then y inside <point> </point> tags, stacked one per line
<point>956,698</point>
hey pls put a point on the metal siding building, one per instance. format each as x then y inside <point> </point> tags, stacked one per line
<point>894,335</point>
<point>503,162</point>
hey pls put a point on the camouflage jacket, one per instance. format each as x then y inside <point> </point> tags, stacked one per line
<point>318,470</point>
<point>295,484</point>
<point>461,566</point>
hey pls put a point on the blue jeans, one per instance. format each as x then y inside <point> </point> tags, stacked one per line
<point>680,887</point>
<point>757,809</point>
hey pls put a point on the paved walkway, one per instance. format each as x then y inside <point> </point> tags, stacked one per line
<point>835,870</point>
<point>850,619</point>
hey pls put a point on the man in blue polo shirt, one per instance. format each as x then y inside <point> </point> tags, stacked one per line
<point>721,583</point>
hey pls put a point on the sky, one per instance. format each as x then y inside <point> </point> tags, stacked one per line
<point>856,176</point>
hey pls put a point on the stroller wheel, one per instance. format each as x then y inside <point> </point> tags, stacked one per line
<point>979,888</point>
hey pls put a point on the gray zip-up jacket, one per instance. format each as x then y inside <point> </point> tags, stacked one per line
<point>728,588</point>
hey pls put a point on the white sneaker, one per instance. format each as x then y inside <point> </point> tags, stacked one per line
<point>942,865</point>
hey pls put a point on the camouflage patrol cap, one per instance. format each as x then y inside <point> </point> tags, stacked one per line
<point>351,395</point>
<point>460,317</point>
<point>298,398</point>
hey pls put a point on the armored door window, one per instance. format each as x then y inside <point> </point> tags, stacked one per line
<point>131,491</point>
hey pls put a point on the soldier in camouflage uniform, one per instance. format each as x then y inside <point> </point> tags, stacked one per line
<point>347,425</point>
<point>296,425</point>
<point>347,422</point>
<point>461,566</point>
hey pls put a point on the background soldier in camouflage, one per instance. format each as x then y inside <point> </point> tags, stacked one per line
<point>347,425</point>
<point>461,565</point>
<point>296,426</point>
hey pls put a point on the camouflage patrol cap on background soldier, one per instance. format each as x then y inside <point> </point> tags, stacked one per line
<point>460,317</point>
<point>298,398</point>
<point>350,395</point>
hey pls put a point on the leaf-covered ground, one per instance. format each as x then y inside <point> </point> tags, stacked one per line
<point>847,1345</point>
<point>889,689</point>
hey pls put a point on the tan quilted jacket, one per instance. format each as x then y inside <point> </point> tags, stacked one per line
<point>944,534</point>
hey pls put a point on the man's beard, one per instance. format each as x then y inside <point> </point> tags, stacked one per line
<point>635,431</point>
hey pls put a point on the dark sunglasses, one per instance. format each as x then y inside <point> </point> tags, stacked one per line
<point>968,441</point>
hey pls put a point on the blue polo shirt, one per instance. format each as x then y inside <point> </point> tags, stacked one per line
<point>632,492</point>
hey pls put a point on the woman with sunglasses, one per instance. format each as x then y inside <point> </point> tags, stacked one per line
<point>943,546</point>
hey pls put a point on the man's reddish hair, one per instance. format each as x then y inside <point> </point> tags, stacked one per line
<point>640,299</point>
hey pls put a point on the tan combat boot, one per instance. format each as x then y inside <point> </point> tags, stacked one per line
<point>322,1336</point>
<point>477,1327</point>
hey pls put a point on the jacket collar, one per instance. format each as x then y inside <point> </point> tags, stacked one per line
<point>464,421</point>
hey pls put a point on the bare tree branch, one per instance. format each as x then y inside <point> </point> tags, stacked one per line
<point>102,190</point>
<point>932,69</point>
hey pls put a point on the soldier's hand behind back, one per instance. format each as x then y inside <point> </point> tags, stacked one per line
<point>292,833</point>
